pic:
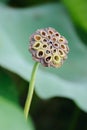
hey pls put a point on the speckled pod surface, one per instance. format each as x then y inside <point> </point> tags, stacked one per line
<point>48,47</point>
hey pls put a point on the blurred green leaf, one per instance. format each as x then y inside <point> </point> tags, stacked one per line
<point>12,117</point>
<point>26,3</point>
<point>78,10</point>
<point>4,1</point>
<point>16,25</point>
<point>7,87</point>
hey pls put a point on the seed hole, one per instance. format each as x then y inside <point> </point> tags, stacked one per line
<point>56,58</point>
<point>37,45</point>
<point>44,46</point>
<point>48,58</point>
<point>50,42</point>
<point>60,51</point>
<point>51,47</point>
<point>54,39</point>
<point>62,46</point>
<point>50,32</point>
<point>57,34</point>
<point>37,37</point>
<point>44,40</point>
<point>43,33</point>
<point>40,53</point>
<point>54,51</point>
<point>49,37</point>
<point>61,39</point>
<point>47,51</point>
<point>56,44</point>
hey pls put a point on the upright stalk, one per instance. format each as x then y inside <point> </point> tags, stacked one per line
<point>75,118</point>
<point>31,90</point>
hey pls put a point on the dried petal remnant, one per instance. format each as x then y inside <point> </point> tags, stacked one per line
<point>48,47</point>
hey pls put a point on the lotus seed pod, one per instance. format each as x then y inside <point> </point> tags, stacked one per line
<point>48,47</point>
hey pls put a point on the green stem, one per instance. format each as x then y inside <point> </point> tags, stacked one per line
<point>74,119</point>
<point>31,90</point>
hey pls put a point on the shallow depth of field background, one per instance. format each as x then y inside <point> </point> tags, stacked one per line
<point>60,98</point>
